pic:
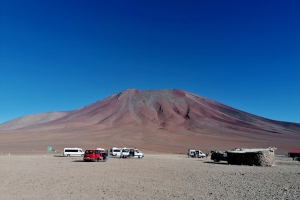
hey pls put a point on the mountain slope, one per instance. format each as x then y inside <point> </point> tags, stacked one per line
<point>163,108</point>
<point>153,115</point>
<point>30,120</point>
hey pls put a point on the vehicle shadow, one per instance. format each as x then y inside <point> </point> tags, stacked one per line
<point>216,163</point>
<point>77,161</point>
<point>101,161</point>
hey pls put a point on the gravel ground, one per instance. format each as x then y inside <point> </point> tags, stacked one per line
<point>158,176</point>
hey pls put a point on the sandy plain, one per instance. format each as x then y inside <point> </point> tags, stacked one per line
<point>156,176</point>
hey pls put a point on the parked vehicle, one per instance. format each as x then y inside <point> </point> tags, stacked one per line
<point>126,152</point>
<point>135,153</point>
<point>73,152</point>
<point>102,150</point>
<point>114,151</point>
<point>195,154</point>
<point>93,155</point>
<point>217,156</point>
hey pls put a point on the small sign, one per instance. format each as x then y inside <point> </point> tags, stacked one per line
<point>49,148</point>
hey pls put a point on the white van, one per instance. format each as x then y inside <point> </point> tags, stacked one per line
<point>195,154</point>
<point>114,151</point>
<point>135,153</point>
<point>73,152</point>
<point>126,152</point>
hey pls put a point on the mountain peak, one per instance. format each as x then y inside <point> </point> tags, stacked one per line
<point>161,109</point>
<point>167,119</point>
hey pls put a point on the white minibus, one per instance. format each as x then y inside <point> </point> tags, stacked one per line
<point>73,152</point>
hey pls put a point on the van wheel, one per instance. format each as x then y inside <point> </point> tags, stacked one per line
<point>68,155</point>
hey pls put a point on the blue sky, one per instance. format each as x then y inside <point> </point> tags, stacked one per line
<point>61,55</point>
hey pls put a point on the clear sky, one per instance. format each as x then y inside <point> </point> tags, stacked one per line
<point>61,55</point>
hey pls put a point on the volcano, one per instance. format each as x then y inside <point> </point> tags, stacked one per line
<point>152,120</point>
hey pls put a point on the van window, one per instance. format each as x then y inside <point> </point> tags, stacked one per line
<point>117,150</point>
<point>89,152</point>
<point>71,150</point>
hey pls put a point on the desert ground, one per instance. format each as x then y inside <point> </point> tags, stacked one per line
<point>156,176</point>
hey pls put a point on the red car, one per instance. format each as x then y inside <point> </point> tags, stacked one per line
<point>93,155</point>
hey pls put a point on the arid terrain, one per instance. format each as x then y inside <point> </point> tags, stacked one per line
<point>156,176</point>
<point>168,121</point>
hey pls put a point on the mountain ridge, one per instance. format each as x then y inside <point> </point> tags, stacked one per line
<point>152,120</point>
<point>153,115</point>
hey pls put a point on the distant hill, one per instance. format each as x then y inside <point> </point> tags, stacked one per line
<point>30,120</point>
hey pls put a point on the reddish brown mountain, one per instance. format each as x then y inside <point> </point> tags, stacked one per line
<point>152,120</point>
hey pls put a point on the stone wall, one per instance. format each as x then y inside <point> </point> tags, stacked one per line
<point>260,158</point>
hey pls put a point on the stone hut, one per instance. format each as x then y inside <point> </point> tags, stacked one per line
<point>256,156</point>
